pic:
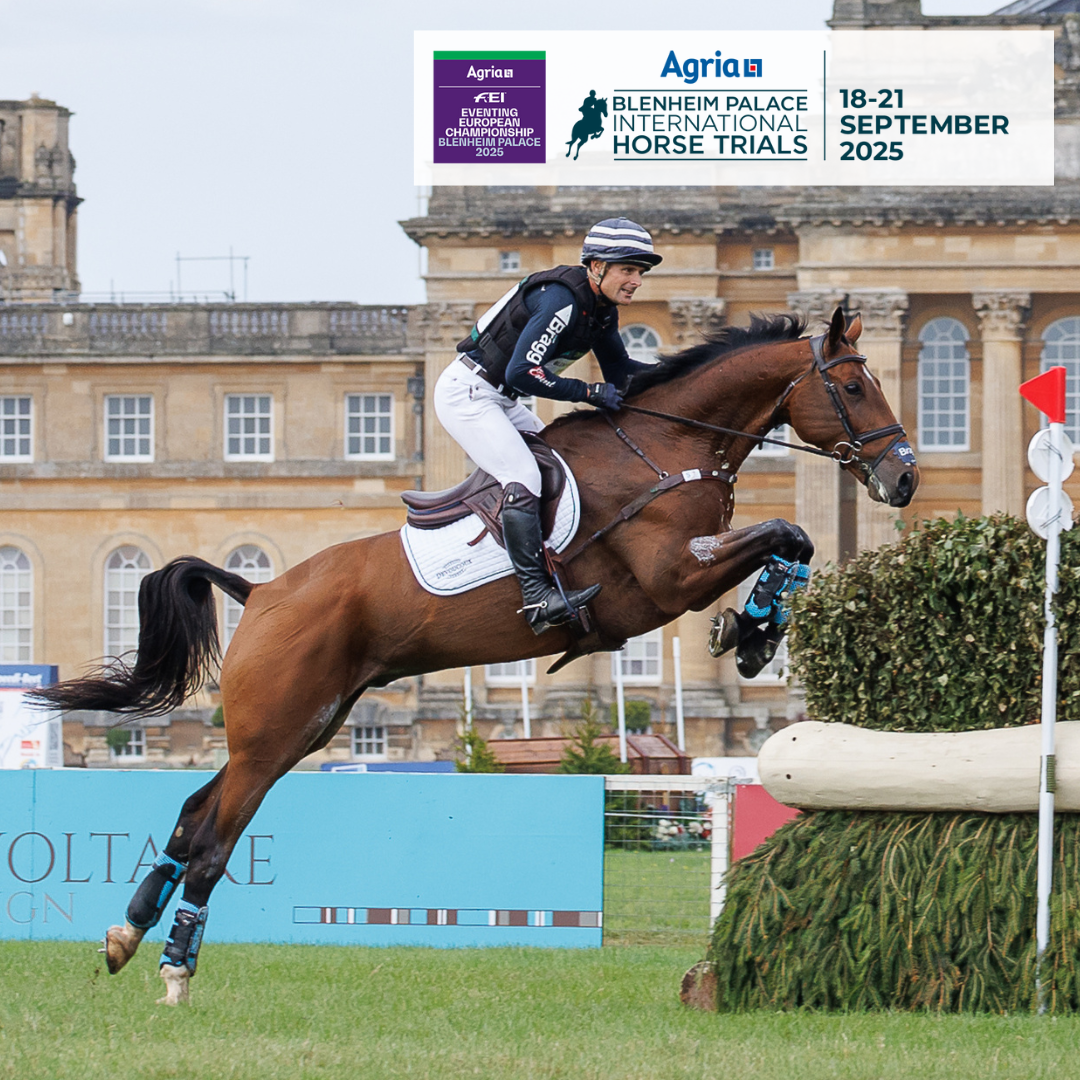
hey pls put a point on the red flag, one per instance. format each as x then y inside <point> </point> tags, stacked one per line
<point>1047,393</point>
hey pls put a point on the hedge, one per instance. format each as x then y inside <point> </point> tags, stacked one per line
<point>940,632</point>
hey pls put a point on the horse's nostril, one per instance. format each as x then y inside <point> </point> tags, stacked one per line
<point>905,484</point>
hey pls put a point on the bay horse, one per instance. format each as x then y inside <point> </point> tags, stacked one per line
<point>353,616</point>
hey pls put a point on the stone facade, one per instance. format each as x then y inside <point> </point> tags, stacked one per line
<point>996,268</point>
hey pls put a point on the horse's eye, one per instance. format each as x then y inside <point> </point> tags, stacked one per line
<point>853,388</point>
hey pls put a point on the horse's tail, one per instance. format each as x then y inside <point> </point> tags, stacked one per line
<point>178,645</point>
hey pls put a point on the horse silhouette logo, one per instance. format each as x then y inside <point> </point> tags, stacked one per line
<point>591,124</point>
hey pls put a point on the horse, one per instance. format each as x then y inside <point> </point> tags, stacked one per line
<point>653,532</point>
<point>588,128</point>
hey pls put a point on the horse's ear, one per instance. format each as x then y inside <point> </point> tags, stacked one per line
<point>836,331</point>
<point>854,329</point>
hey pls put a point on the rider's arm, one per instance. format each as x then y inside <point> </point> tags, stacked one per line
<point>615,361</point>
<point>552,308</point>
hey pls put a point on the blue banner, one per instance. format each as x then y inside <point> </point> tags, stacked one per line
<point>354,858</point>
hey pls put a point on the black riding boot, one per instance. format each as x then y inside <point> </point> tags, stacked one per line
<point>543,606</point>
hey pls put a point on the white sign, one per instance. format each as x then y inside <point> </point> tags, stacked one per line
<point>850,107</point>
<point>29,738</point>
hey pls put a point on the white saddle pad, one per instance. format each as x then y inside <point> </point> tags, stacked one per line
<point>445,564</point>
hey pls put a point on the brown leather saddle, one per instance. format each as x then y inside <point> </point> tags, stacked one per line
<point>481,494</point>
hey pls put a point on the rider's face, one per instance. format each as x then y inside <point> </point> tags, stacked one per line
<point>620,282</point>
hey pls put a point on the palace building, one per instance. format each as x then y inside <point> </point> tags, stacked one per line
<point>254,435</point>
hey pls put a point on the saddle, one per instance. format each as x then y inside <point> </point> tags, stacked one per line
<point>481,494</point>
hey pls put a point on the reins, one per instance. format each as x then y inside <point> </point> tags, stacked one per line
<point>843,453</point>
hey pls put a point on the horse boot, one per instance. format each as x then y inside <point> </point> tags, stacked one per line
<point>543,604</point>
<point>731,628</point>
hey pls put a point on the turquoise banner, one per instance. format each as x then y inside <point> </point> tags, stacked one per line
<point>356,858</point>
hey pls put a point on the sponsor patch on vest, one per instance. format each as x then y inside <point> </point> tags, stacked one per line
<point>559,321</point>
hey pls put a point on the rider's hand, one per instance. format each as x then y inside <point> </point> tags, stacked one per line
<point>604,395</point>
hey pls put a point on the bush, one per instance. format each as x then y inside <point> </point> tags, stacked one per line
<point>218,718</point>
<point>638,715</point>
<point>940,632</point>
<point>116,738</point>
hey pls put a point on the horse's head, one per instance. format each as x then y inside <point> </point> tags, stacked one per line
<point>839,406</point>
<point>603,106</point>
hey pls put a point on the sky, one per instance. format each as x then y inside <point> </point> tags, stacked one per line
<point>279,129</point>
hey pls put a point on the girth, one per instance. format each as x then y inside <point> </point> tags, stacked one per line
<point>481,494</point>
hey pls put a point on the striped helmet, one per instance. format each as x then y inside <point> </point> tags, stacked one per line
<point>619,240</point>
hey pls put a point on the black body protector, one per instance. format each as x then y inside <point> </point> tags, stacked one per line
<point>495,335</point>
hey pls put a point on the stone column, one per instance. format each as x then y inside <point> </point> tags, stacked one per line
<point>1001,326</point>
<point>883,312</point>
<point>443,326</point>
<point>817,480</point>
<point>694,319</point>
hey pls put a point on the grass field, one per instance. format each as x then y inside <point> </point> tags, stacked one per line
<point>270,1013</point>
<point>656,897</point>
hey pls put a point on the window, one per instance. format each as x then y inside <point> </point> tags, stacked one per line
<point>642,343</point>
<point>369,741</point>
<point>1061,348</point>
<point>771,449</point>
<point>764,259</point>
<point>509,262</point>
<point>249,432</point>
<point>369,426</point>
<point>944,386</point>
<point>776,670</point>
<point>641,659</point>
<point>124,570</point>
<point>16,606</point>
<point>129,427</point>
<point>252,563</point>
<point>510,674</point>
<point>135,747</point>
<point>16,414</point>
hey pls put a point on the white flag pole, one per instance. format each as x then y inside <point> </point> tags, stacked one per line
<point>1047,770</point>
<point>620,704</point>
<point>526,719</point>
<point>468,698</point>
<point>680,728</point>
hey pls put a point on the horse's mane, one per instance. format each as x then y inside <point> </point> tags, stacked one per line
<point>782,327</point>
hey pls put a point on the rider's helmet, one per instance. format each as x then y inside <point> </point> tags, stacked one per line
<point>619,240</point>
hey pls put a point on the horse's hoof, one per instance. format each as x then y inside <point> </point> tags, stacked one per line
<point>176,984</point>
<point>120,945</point>
<point>755,651</point>
<point>724,635</point>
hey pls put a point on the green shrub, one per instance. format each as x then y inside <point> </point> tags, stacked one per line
<point>939,632</point>
<point>843,910</point>
<point>473,755</point>
<point>638,715</point>
<point>116,738</point>
<point>218,719</point>
<point>583,753</point>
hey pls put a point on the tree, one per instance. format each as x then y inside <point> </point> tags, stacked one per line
<point>473,755</point>
<point>584,753</point>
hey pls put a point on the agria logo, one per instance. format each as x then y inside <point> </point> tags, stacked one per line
<point>694,68</point>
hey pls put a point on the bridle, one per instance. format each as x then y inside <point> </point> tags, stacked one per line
<point>845,452</point>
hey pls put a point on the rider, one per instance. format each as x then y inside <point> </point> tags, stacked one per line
<point>519,347</point>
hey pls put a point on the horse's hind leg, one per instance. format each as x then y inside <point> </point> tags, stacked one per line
<point>156,889</point>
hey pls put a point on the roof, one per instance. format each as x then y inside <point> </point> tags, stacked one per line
<point>652,754</point>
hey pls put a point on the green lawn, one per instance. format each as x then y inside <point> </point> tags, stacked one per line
<point>271,1013</point>
<point>656,898</point>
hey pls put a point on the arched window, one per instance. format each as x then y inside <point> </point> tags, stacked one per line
<point>642,343</point>
<point>251,562</point>
<point>944,386</point>
<point>124,570</point>
<point>16,607</point>
<point>1061,348</point>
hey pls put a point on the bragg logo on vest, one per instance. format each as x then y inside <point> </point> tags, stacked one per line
<point>538,349</point>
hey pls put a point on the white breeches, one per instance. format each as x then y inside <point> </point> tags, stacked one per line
<point>487,426</point>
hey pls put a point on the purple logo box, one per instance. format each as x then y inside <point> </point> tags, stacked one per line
<point>490,107</point>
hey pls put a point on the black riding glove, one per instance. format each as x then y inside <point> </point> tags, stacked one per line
<point>604,395</point>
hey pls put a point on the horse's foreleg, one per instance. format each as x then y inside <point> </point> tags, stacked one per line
<point>156,889</point>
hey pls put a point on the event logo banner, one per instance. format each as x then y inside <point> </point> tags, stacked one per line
<point>883,107</point>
